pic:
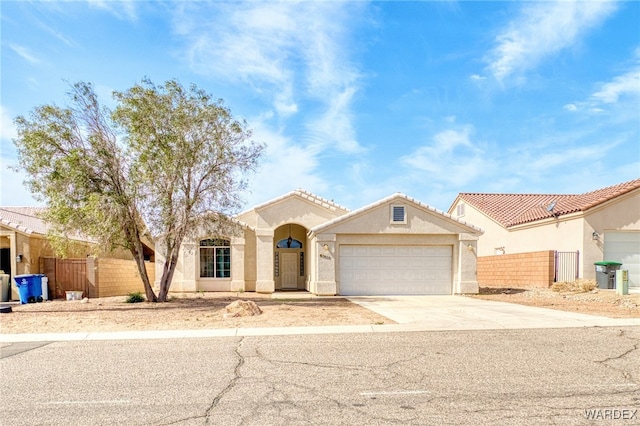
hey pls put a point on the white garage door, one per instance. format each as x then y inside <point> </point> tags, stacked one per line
<point>624,247</point>
<point>379,270</point>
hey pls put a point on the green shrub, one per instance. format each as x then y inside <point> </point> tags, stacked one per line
<point>136,297</point>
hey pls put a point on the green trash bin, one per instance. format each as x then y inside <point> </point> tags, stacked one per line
<point>605,273</point>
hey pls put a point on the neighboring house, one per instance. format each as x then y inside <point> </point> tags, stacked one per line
<point>601,225</point>
<point>22,240</point>
<point>300,241</point>
<point>24,243</point>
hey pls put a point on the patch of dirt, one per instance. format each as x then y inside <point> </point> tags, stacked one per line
<point>206,311</point>
<point>596,302</point>
<point>189,311</point>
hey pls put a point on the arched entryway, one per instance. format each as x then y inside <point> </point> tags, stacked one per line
<point>290,269</point>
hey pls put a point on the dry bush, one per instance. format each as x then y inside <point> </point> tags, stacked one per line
<point>578,286</point>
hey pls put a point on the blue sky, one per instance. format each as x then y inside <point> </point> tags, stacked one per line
<point>358,100</point>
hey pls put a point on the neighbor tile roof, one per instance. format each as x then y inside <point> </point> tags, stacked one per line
<point>24,219</point>
<point>27,220</point>
<point>514,209</point>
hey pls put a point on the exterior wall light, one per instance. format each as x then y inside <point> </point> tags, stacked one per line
<point>325,247</point>
<point>19,258</point>
<point>594,236</point>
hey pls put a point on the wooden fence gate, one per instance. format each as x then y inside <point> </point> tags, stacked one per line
<point>65,275</point>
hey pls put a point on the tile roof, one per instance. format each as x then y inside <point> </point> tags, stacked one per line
<point>515,209</point>
<point>27,220</point>
<point>24,219</point>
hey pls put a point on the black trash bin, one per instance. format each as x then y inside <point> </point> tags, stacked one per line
<point>605,273</point>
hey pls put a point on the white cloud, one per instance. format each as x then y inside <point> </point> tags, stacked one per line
<point>24,53</point>
<point>626,84</point>
<point>334,127</point>
<point>450,158</point>
<point>8,129</point>
<point>542,29</point>
<point>121,9</point>
<point>12,190</point>
<point>285,167</point>
<point>290,53</point>
<point>622,91</point>
<point>57,34</point>
<point>544,162</point>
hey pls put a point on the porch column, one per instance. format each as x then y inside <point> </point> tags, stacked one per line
<point>237,264</point>
<point>326,280</point>
<point>264,261</point>
<point>190,251</point>
<point>467,272</point>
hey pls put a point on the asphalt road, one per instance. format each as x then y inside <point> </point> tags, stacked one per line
<point>550,376</point>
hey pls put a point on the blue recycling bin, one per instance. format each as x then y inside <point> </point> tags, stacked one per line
<point>29,287</point>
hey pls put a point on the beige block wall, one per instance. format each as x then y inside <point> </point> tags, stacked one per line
<point>520,270</point>
<point>119,277</point>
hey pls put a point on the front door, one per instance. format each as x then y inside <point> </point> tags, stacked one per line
<point>289,270</point>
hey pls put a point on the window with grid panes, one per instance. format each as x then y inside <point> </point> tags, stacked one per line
<point>215,258</point>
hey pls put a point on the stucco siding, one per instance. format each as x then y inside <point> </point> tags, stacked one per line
<point>378,220</point>
<point>290,210</point>
<point>249,260</point>
<point>622,214</point>
<point>494,235</point>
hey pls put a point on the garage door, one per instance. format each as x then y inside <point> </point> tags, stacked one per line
<point>388,270</point>
<point>624,247</point>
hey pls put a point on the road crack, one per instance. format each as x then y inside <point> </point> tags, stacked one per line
<point>232,382</point>
<point>626,374</point>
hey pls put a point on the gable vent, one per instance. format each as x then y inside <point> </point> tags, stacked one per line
<point>398,214</point>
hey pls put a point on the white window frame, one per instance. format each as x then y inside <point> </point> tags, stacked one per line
<point>215,254</point>
<point>460,210</point>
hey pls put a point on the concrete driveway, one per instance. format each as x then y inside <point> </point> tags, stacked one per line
<point>466,313</point>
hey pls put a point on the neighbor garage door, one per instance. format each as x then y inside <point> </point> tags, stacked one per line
<point>388,270</point>
<point>624,247</point>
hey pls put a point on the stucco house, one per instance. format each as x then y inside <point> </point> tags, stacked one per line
<point>300,241</point>
<point>22,240</point>
<point>603,224</point>
<point>24,245</point>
